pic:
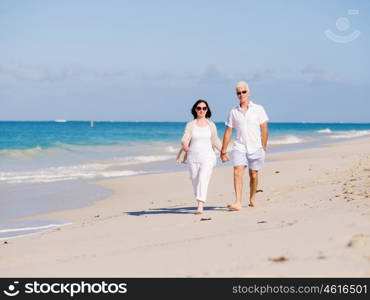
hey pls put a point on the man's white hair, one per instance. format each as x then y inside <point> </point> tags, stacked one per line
<point>242,84</point>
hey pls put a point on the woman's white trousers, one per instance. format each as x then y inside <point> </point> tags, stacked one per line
<point>200,175</point>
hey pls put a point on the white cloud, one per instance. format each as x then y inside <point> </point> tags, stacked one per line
<point>315,74</point>
<point>53,74</point>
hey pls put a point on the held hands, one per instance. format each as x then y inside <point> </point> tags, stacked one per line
<point>224,157</point>
<point>186,148</point>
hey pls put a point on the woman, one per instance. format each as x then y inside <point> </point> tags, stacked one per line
<point>199,141</point>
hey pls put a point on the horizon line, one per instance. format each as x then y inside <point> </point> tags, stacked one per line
<point>122,121</point>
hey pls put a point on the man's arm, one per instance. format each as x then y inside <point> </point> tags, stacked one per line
<point>227,137</point>
<point>265,133</point>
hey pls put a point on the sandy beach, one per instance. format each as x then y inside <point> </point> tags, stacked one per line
<point>312,220</point>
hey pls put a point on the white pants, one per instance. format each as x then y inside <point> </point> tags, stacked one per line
<point>200,175</point>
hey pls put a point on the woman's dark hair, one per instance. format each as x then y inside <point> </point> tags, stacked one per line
<point>194,112</point>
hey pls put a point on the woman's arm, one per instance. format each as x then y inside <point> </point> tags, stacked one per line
<point>216,142</point>
<point>185,141</point>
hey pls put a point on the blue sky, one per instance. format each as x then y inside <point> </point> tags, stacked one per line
<point>151,60</point>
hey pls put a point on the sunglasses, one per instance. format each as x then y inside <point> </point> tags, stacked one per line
<point>242,92</point>
<point>199,108</point>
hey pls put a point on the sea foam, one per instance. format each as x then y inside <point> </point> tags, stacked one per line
<point>326,130</point>
<point>350,134</point>
<point>11,232</point>
<point>98,169</point>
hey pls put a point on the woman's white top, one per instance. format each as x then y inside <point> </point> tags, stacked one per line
<point>200,146</point>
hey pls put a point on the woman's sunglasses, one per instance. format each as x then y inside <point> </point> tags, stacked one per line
<point>199,108</point>
<point>242,92</point>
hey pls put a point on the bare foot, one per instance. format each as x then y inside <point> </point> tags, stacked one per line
<point>234,207</point>
<point>199,208</point>
<point>252,203</point>
<point>234,204</point>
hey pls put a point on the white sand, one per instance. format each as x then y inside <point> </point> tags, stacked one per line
<point>314,215</point>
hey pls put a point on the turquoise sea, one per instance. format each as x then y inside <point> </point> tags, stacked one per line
<point>56,151</point>
<point>47,166</point>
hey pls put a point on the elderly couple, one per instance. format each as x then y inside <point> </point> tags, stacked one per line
<point>200,139</point>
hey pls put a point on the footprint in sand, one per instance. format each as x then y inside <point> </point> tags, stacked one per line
<point>279,259</point>
<point>358,241</point>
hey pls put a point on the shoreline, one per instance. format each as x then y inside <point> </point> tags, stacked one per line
<point>152,169</point>
<point>24,202</point>
<point>58,191</point>
<point>312,220</point>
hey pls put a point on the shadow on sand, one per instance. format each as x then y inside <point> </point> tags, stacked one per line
<point>175,210</point>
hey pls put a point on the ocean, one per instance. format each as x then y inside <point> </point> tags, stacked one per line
<point>46,166</point>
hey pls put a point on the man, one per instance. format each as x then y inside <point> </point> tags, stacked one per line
<point>250,121</point>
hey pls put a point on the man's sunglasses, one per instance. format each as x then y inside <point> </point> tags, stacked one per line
<point>242,92</point>
<point>199,108</point>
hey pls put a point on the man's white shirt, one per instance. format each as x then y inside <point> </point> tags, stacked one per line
<point>247,124</point>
